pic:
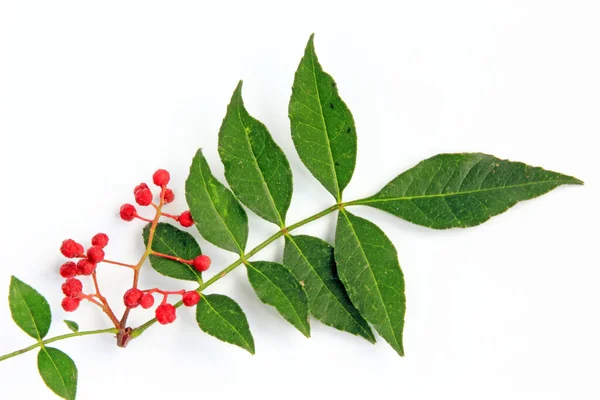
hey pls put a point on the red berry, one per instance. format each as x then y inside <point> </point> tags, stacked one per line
<point>70,248</point>
<point>127,212</point>
<point>143,197</point>
<point>68,269</point>
<point>85,267</point>
<point>165,314</point>
<point>201,263</point>
<point>95,254</point>
<point>161,177</point>
<point>147,300</point>
<point>191,298</point>
<point>100,240</point>
<point>140,187</point>
<point>132,297</point>
<point>169,196</point>
<point>72,287</point>
<point>70,304</point>
<point>185,219</point>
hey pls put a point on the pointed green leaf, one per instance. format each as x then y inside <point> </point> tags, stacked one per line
<point>255,167</point>
<point>322,125</point>
<point>368,267</point>
<point>72,325</point>
<point>174,242</point>
<point>218,215</point>
<point>311,261</point>
<point>462,190</point>
<point>275,285</point>
<point>223,318</point>
<point>29,309</point>
<point>58,372</point>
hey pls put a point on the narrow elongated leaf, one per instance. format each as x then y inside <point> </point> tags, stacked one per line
<point>322,125</point>
<point>255,167</point>
<point>218,215</point>
<point>368,267</point>
<point>29,309</point>
<point>174,242</point>
<point>311,261</point>
<point>72,325</point>
<point>58,372</point>
<point>223,318</point>
<point>275,285</point>
<point>462,190</point>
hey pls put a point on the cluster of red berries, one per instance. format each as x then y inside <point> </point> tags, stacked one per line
<point>165,312</point>
<point>134,297</point>
<point>72,288</point>
<point>143,196</point>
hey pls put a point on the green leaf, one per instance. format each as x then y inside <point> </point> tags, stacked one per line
<point>322,125</point>
<point>58,372</point>
<point>174,242</point>
<point>29,309</point>
<point>218,215</point>
<point>368,267</point>
<point>72,325</point>
<point>255,167</point>
<point>311,261</point>
<point>462,190</point>
<point>275,285</point>
<point>223,318</point>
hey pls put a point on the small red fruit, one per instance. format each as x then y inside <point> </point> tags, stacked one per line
<point>95,254</point>
<point>161,177</point>
<point>127,212</point>
<point>100,240</point>
<point>70,248</point>
<point>169,196</point>
<point>132,297</point>
<point>68,269</point>
<point>72,287</point>
<point>165,314</point>
<point>143,197</point>
<point>70,304</point>
<point>201,263</point>
<point>147,300</point>
<point>191,298</point>
<point>185,219</point>
<point>140,187</point>
<point>85,267</point>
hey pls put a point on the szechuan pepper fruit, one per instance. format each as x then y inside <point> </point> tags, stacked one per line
<point>70,248</point>
<point>132,297</point>
<point>161,177</point>
<point>165,314</point>
<point>143,197</point>
<point>85,267</point>
<point>169,196</point>
<point>191,298</point>
<point>72,287</point>
<point>100,240</point>
<point>70,304</point>
<point>68,269</point>
<point>185,219</point>
<point>127,212</point>
<point>201,263</point>
<point>95,254</point>
<point>147,300</point>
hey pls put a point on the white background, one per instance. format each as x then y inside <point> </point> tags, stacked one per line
<point>94,96</point>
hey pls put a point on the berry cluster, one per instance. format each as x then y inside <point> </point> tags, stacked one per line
<point>143,196</point>
<point>89,259</point>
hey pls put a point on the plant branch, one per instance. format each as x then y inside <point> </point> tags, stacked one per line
<point>140,329</point>
<point>55,339</point>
